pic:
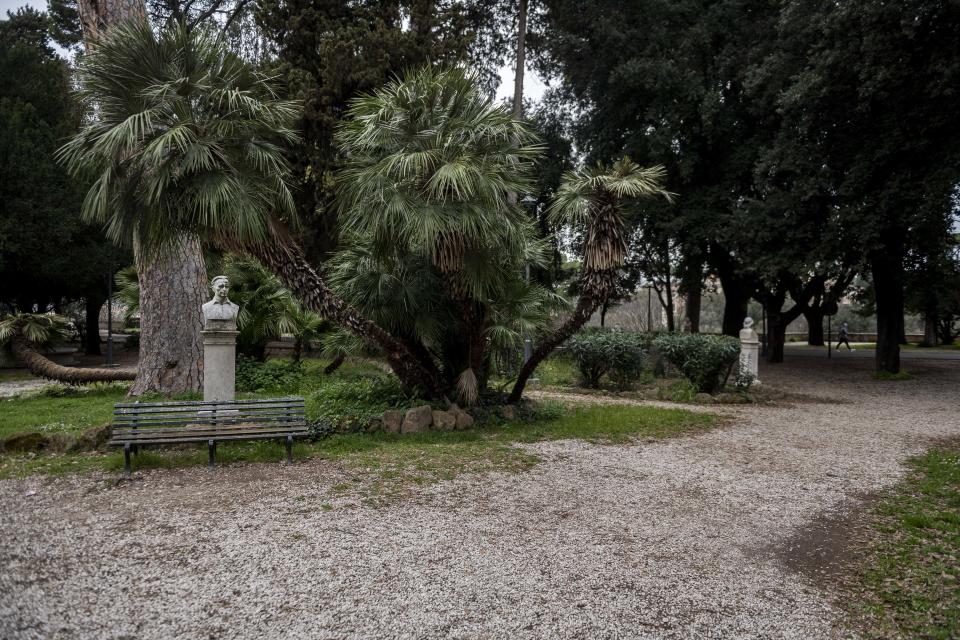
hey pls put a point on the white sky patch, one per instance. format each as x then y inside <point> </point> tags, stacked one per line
<point>533,85</point>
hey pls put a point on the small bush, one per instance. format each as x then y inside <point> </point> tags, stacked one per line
<point>621,355</point>
<point>706,361</point>
<point>350,404</point>
<point>253,375</point>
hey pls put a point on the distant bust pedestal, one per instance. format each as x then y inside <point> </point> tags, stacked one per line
<point>750,350</point>
<point>219,344</point>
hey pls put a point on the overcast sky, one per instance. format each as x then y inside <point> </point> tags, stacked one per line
<point>533,87</point>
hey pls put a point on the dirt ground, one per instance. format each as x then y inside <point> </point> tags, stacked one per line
<point>731,533</point>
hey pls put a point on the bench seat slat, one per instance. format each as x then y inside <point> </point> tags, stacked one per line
<point>170,433</point>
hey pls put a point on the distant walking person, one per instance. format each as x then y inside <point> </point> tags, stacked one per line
<point>844,337</point>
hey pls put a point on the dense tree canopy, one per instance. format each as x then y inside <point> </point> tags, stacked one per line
<point>48,255</point>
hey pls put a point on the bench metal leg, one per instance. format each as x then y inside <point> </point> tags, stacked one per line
<point>289,449</point>
<point>126,460</point>
<point>212,449</point>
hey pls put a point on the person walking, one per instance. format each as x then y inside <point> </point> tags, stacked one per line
<point>844,337</point>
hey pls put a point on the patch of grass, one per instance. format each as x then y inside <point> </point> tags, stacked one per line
<point>910,584</point>
<point>59,409</point>
<point>887,376</point>
<point>391,463</point>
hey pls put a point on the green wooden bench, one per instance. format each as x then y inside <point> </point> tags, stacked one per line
<point>141,424</point>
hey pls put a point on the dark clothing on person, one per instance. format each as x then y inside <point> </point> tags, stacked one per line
<point>844,338</point>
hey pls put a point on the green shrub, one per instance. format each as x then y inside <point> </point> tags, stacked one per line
<point>704,360</point>
<point>350,404</point>
<point>621,355</point>
<point>281,375</point>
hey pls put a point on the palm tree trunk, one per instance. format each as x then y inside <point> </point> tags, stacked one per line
<point>586,306</point>
<point>334,364</point>
<point>285,258</point>
<point>27,355</point>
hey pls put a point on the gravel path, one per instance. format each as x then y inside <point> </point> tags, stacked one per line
<point>677,539</point>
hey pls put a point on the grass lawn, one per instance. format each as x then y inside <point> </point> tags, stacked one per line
<point>910,584</point>
<point>343,401</point>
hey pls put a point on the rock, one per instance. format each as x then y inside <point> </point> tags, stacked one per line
<point>28,442</point>
<point>62,442</point>
<point>375,424</point>
<point>444,420</point>
<point>417,420</point>
<point>508,412</point>
<point>392,420</point>
<point>652,394</point>
<point>464,420</point>
<point>703,398</point>
<point>93,438</point>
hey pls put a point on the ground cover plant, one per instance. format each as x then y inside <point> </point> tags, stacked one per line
<point>909,583</point>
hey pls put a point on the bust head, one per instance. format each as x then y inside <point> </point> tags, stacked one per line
<point>748,323</point>
<point>220,286</point>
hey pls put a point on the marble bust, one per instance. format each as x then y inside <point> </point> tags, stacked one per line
<point>219,313</point>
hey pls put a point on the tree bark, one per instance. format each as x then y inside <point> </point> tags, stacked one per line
<point>736,300</point>
<point>929,330</point>
<point>173,284</point>
<point>91,338</point>
<point>521,59</point>
<point>171,348</point>
<point>334,364</point>
<point>28,356</point>
<point>586,306</point>
<point>814,318</point>
<point>887,269</point>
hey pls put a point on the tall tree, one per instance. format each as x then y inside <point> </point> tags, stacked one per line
<point>173,279</point>
<point>39,205</point>
<point>874,102</point>
<point>328,53</point>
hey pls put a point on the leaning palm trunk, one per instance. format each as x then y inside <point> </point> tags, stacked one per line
<point>590,300</point>
<point>283,257</point>
<point>27,354</point>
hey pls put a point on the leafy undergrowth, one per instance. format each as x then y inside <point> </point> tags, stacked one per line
<point>909,586</point>
<point>392,463</point>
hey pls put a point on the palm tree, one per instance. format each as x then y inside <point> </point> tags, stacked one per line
<point>189,141</point>
<point>594,200</point>
<point>425,196</point>
<point>28,333</point>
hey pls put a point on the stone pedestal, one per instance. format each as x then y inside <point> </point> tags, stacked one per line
<point>750,350</point>
<point>219,364</point>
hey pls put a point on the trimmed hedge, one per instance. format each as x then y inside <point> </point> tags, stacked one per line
<point>704,360</point>
<point>620,355</point>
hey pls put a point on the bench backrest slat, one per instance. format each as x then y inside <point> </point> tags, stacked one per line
<point>274,412</point>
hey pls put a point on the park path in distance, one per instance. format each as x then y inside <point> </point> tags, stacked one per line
<point>682,538</point>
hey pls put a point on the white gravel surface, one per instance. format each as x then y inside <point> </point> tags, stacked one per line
<point>673,539</point>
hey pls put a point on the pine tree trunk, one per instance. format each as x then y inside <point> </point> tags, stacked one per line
<point>171,348</point>
<point>43,367</point>
<point>173,285</point>
<point>929,330</point>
